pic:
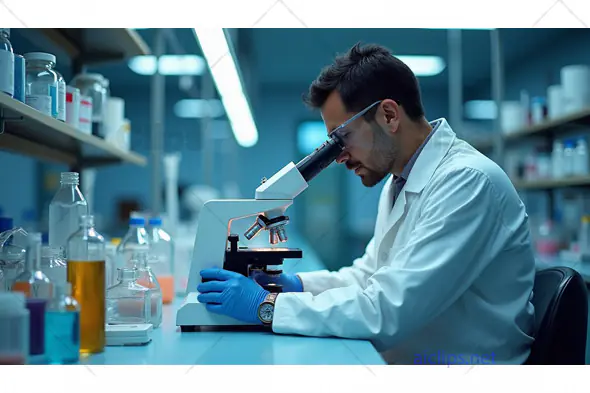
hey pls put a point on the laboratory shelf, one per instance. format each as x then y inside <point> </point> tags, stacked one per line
<point>91,46</point>
<point>25,130</point>
<point>549,184</point>
<point>552,126</point>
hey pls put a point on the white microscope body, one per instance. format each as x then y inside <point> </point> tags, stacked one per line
<point>272,199</point>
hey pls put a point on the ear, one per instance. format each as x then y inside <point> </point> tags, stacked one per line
<point>391,114</point>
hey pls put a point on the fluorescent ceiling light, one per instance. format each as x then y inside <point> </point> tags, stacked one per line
<point>424,65</point>
<point>194,109</point>
<point>310,135</point>
<point>480,110</point>
<point>168,65</point>
<point>229,86</point>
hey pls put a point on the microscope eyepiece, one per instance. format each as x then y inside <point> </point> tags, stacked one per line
<point>320,158</point>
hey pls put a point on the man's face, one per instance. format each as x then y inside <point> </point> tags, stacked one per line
<point>370,150</point>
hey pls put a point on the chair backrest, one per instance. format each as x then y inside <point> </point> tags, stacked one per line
<point>561,317</point>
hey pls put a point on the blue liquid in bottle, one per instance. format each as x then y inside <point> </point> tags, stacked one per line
<point>62,337</point>
<point>62,327</point>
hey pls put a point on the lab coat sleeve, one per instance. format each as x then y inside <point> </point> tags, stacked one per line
<point>458,233</point>
<point>362,268</point>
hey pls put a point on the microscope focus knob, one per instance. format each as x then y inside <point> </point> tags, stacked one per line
<point>233,242</point>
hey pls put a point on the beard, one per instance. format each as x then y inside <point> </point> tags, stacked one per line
<point>382,158</point>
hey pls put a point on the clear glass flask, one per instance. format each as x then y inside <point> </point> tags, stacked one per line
<point>147,278</point>
<point>135,241</point>
<point>65,210</point>
<point>62,327</point>
<point>162,258</point>
<point>86,273</point>
<point>32,281</point>
<point>128,302</point>
<point>12,257</point>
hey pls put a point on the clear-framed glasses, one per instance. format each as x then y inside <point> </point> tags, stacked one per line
<point>340,131</point>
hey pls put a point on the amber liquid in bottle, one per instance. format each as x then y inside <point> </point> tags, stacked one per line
<point>88,288</point>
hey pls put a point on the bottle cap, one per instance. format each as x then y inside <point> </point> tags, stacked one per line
<point>137,221</point>
<point>155,221</point>
<point>32,56</point>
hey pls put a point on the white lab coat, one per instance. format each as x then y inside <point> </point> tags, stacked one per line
<point>447,277</point>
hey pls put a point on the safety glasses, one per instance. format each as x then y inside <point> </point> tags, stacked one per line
<point>342,131</point>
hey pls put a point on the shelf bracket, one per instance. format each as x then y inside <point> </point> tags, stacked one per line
<point>4,119</point>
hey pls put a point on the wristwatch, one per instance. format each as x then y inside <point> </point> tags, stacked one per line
<point>266,309</point>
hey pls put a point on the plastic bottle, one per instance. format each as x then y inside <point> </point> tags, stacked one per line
<point>6,63</point>
<point>557,159</point>
<point>161,258</point>
<point>134,242</point>
<point>581,163</point>
<point>568,158</point>
<point>128,302</point>
<point>147,278</point>
<point>65,210</point>
<point>14,325</point>
<point>41,89</point>
<point>62,327</point>
<point>61,97</point>
<point>86,273</point>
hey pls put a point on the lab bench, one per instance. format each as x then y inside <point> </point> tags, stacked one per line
<point>171,347</point>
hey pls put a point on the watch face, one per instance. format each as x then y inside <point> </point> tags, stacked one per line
<point>266,313</point>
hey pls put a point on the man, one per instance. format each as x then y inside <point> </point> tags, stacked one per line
<point>449,269</point>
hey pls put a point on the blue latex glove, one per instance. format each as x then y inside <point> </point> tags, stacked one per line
<point>231,294</point>
<point>289,282</point>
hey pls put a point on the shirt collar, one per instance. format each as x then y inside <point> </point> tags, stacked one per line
<point>406,171</point>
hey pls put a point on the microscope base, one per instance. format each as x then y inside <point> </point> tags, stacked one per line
<point>192,315</point>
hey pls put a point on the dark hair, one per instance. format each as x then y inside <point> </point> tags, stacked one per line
<point>364,75</point>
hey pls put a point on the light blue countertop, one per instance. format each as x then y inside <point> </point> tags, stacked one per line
<point>171,347</point>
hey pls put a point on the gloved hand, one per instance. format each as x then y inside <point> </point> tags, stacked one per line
<point>289,282</point>
<point>231,294</point>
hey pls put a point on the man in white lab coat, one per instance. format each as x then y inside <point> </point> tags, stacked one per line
<point>448,276</point>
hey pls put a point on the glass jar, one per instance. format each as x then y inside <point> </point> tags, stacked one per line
<point>54,265</point>
<point>147,278</point>
<point>41,79</point>
<point>14,325</point>
<point>128,302</point>
<point>96,87</point>
<point>6,63</point>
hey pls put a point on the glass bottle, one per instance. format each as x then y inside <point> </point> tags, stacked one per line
<point>65,210</point>
<point>41,82</point>
<point>62,327</point>
<point>147,278</point>
<point>32,281</point>
<point>162,258</point>
<point>135,241</point>
<point>6,63</point>
<point>128,302</point>
<point>86,273</point>
<point>54,264</point>
<point>12,256</point>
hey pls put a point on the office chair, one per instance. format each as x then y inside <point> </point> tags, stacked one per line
<point>561,318</point>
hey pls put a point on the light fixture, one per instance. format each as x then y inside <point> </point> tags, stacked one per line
<point>480,110</point>
<point>168,65</point>
<point>198,108</point>
<point>310,134</point>
<point>424,65</point>
<point>225,75</point>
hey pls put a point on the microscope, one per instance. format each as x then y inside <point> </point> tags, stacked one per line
<point>215,243</point>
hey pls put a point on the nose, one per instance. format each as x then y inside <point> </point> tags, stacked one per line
<point>343,157</point>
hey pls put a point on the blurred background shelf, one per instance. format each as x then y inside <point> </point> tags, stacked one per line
<point>29,132</point>
<point>552,126</point>
<point>90,46</point>
<point>550,184</point>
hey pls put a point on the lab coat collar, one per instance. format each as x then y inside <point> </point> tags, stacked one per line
<point>428,160</point>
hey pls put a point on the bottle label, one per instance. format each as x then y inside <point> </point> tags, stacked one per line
<point>7,72</point>
<point>54,100</point>
<point>40,102</point>
<point>61,102</point>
